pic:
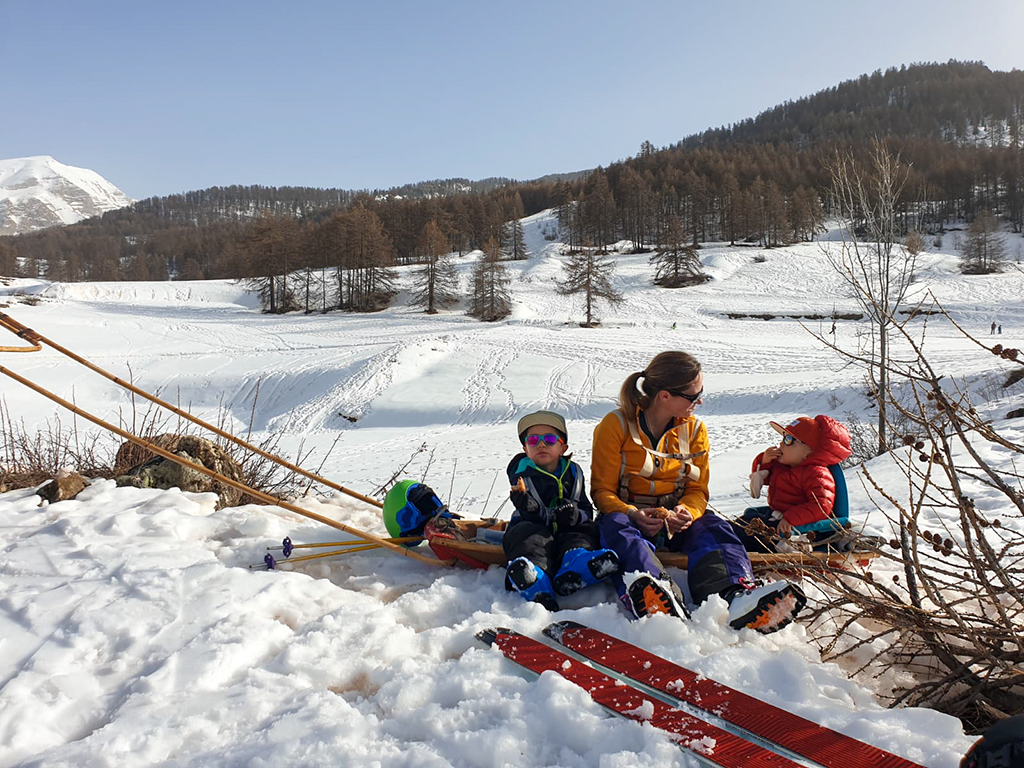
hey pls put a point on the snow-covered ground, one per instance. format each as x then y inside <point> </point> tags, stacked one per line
<point>133,633</point>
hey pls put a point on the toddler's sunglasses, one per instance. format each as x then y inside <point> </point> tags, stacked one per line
<point>534,440</point>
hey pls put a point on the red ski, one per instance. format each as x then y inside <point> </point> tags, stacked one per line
<point>711,745</point>
<point>763,722</point>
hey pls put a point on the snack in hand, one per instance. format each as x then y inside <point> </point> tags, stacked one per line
<point>659,512</point>
<point>520,485</point>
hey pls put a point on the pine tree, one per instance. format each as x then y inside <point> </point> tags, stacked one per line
<point>437,280</point>
<point>983,250</point>
<point>567,214</point>
<point>8,262</point>
<point>589,273</point>
<point>490,300</point>
<point>677,263</point>
<point>369,282</point>
<point>598,209</point>
<point>514,244</point>
<point>270,253</point>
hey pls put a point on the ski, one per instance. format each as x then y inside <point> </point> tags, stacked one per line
<point>751,717</point>
<point>709,744</point>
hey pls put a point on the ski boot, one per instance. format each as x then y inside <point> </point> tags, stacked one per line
<point>646,596</point>
<point>531,582</point>
<point>583,567</point>
<point>763,607</point>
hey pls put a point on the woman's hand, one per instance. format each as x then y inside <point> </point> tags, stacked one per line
<point>645,522</point>
<point>680,519</point>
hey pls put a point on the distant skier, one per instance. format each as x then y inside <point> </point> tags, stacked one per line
<point>673,326</point>
<point>552,542</point>
<point>993,329</point>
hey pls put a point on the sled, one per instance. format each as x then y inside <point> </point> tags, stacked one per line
<point>477,543</point>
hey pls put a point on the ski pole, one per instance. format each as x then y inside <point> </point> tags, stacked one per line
<point>271,562</point>
<point>287,547</point>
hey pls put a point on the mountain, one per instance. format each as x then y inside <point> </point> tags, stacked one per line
<point>959,102</point>
<point>38,192</point>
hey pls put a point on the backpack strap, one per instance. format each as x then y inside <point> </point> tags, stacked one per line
<point>577,484</point>
<point>653,458</point>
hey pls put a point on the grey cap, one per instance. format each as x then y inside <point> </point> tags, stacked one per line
<point>537,418</point>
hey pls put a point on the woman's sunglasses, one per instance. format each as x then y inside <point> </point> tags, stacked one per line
<point>549,440</point>
<point>691,398</point>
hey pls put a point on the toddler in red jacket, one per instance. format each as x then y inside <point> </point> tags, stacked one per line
<point>801,488</point>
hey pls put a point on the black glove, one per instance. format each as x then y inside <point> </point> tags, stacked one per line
<point>567,515</point>
<point>524,502</point>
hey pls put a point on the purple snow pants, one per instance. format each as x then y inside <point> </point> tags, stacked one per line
<point>717,559</point>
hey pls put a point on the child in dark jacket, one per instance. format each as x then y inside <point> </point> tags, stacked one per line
<point>552,543</point>
<point>801,489</point>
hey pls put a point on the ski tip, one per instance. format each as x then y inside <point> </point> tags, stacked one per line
<point>556,629</point>
<point>488,636</point>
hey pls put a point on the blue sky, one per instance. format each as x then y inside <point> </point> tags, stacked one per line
<point>163,97</point>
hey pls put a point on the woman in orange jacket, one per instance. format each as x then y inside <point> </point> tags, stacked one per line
<point>649,482</point>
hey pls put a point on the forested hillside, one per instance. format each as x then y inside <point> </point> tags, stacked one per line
<point>957,126</point>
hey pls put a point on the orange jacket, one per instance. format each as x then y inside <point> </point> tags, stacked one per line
<point>617,457</point>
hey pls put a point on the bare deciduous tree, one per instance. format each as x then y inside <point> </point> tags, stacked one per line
<point>873,263</point>
<point>490,300</point>
<point>589,273</point>
<point>952,617</point>
<point>437,280</point>
<point>676,261</point>
<point>982,251</point>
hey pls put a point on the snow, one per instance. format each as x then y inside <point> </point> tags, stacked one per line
<point>37,192</point>
<point>132,631</point>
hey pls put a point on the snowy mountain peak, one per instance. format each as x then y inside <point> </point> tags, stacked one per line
<point>38,192</point>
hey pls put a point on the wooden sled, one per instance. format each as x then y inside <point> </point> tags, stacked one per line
<point>477,543</point>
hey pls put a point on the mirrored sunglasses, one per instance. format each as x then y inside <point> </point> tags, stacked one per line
<point>789,440</point>
<point>691,398</point>
<point>549,440</point>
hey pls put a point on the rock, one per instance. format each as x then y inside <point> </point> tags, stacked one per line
<point>66,485</point>
<point>150,471</point>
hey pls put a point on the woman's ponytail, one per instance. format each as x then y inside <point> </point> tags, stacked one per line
<point>634,393</point>
<point>668,370</point>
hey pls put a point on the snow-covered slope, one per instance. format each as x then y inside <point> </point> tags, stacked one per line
<point>38,192</point>
<point>133,633</point>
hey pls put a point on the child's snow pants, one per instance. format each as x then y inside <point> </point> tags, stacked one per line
<point>541,546</point>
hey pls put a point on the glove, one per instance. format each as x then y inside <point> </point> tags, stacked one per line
<point>524,502</point>
<point>566,515</point>
<point>757,478</point>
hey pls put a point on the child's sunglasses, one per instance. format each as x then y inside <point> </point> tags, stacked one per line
<point>691,398</point>
<point>789,440</point>
<point>549,440</point>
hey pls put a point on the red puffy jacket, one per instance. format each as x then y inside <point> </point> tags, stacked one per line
<point>805,493</point>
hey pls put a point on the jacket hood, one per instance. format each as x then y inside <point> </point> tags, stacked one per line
<point>835,443</point>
